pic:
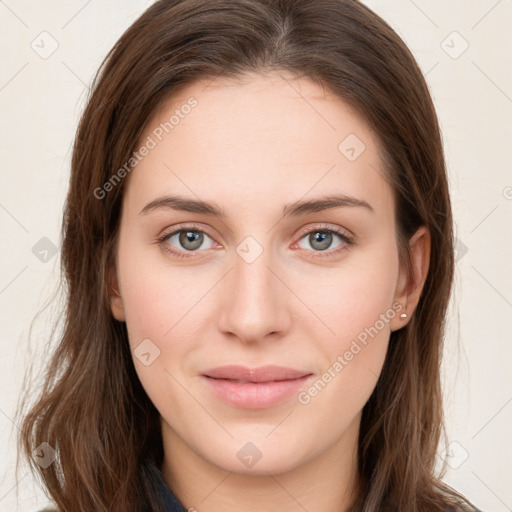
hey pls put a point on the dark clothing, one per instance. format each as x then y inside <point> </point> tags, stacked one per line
<point>170,502</point>
<point>173,505</point>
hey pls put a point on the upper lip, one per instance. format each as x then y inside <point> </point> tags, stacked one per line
<point>261,374</point>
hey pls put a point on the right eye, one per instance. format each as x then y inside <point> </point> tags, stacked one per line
<point>185,240</point>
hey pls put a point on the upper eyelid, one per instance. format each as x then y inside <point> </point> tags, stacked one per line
<point>179,228</point>
<point>328,227</point>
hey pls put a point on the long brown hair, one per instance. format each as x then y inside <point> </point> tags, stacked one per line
<point>92,408</point>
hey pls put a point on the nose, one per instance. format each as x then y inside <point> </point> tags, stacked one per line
<point>255,300</point>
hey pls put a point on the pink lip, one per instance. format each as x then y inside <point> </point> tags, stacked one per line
<point>255,388</point>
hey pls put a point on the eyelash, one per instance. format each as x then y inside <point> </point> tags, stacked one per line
<point>348,241</point>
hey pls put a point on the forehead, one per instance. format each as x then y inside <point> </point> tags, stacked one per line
<point>270,137</point>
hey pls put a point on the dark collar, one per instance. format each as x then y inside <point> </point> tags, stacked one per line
<point>170,502</point>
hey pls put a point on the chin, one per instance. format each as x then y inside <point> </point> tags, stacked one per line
<point>257,457</point>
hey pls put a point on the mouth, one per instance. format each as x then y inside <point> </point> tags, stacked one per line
<point>267,373</point>
<point>257,388</point>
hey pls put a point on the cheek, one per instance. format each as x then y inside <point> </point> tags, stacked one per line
<point>355,307</point>
<point>160,321</point>
<point>169,307</point>
<point>351,298</point>
<point>158,299</point>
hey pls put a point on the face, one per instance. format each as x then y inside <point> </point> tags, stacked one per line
<point>271,281</point>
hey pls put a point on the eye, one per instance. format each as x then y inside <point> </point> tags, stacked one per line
<point>185,239</point>
<point>322,238</point>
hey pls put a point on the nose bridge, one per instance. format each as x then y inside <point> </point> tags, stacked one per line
<point>256,302</point>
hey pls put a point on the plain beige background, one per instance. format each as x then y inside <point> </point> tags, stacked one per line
<point>50,52</point>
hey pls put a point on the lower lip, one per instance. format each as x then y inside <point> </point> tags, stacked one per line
<point>255,395</point>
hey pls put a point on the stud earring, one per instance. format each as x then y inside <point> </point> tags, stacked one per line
<point>404,315</point>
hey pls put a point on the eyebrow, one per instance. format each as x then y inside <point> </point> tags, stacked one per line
<point>294,209</point>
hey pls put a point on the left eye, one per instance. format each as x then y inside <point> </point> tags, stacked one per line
<point>322,239</point>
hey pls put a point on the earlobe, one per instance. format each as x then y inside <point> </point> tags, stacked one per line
<point>410,286</point>
<point>116,301</point>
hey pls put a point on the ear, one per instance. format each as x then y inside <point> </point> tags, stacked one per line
<point>410,285</point>
<point>116,300</point>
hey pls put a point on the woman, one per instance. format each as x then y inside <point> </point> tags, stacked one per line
<point>258,252</point>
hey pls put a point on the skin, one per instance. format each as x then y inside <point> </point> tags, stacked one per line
<point>252,146</point>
